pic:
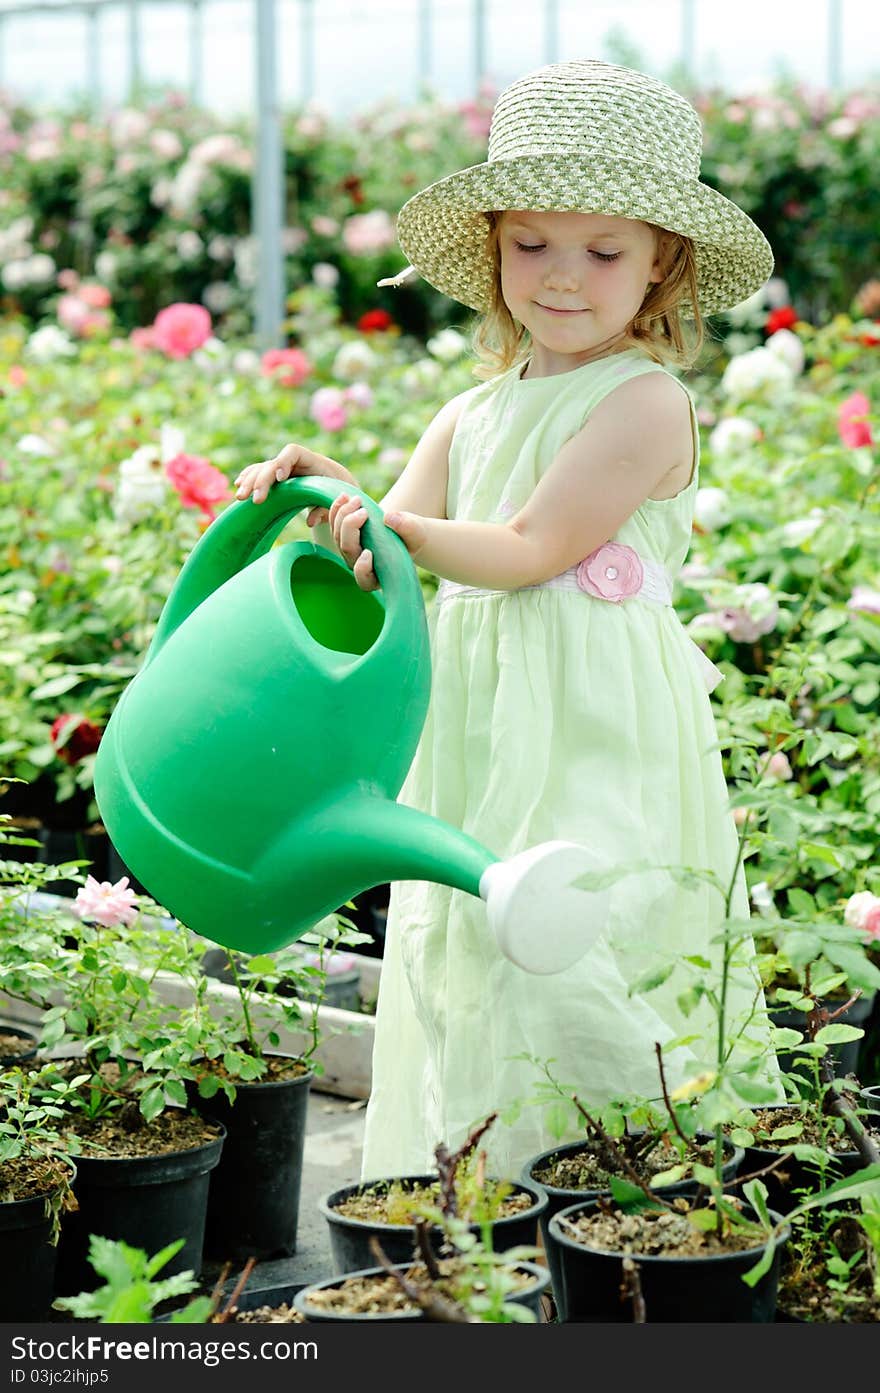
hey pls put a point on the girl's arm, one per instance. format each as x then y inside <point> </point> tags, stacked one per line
<point>634,437</point>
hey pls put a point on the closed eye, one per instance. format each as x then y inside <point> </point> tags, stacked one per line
<point>539,247</point>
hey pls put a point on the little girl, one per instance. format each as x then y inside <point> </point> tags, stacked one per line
<point>555,500</point>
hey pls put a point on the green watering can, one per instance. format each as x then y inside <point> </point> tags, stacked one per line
<point>249,772</point>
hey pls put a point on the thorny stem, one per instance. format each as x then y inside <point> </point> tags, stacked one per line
<point>448,1163</point>
<point>230,1308</point>
<point>436,1307</point>
<point>658,1050</point>
<point>631,1287</point>
<point>617,1154</point>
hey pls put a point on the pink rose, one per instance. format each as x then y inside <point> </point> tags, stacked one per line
<point>97,297</point>
<point>611,572</point>
<point>359,394</point>
<point>852,424</point>
<point>871,923</point>
<point>73,313</point>
<point>289,366</point>
<point>197,482</point>
<point>68,279</point>
<point>327,407</point>
<point>858,907</point>
<point>106,904</point>
<point>142,338</point>
<point>180,329</point>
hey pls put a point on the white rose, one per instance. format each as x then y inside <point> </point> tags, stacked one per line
<point>218,296</point>
<point>732,436</point>
<point>246,362</point>
<point>788,347</point>
<point>758,373</point>
<point>325,275</point>
<point>48,343</point>
<point>171,440</point>
<point>40,269</point>
<point>353,360</point>
<point>762,897</point>
<point>776,293</point>
<point>857,907</point>
<point>34,445</point>
<point>189,245</point>
<point>712,509</point>
<point>105,266</point>
<point>448,345</point>
<point>420,377</point>
<point>799,529</point>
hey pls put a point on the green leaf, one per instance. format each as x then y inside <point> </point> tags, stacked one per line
<point>176,1092</point>
<point>762,1266</point>
<point>756,1192</point>
<point>837,1033</point>
<point>654,977</point>
<point>152,1102</point>
<point>208,1085</point>
<point>863,1182</point>
<point>630,1197</point>
<point>261,965</point>
<point>56,686</point>
<point>818,851</point>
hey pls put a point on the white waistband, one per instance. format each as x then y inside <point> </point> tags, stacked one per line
<point>656,585</point>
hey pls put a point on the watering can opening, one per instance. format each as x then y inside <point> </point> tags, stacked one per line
<point>331,605</point>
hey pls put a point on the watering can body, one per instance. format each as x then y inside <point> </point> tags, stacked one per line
<point>248,774</point>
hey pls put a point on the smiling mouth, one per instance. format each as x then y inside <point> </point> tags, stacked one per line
<point>551,309</point>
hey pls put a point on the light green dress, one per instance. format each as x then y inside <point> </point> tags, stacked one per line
<point>553,714</point>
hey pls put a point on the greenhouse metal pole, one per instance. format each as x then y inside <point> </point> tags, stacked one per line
<point>688,17</point>
<point>306,51</point>
<point>93,42</point>
<point>479,42</point>
<point>424,43</point>
<point>268,183</point>
<point>134,51</point>
<point>835,15</point>
<point>195,51</point>
<point>551,31</point>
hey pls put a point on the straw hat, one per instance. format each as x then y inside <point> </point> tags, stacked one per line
<point>585,137</point>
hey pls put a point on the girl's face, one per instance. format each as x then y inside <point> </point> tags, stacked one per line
<point>575,281</point>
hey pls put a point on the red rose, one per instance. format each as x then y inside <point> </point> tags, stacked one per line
<point>83,739</point>
<point>783,318</point>
<point>375,322</point>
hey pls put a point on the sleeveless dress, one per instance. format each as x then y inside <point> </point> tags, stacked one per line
<point>554,714</point>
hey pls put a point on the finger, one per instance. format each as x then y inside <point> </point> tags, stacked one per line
<point>337,503</point>
<point>363,571</point>
<point>350,533</point>
<point>316,516</point>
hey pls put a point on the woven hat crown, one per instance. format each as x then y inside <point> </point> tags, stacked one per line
<point>591,110</point>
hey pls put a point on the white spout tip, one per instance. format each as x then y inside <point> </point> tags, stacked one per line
<point>540,920</point>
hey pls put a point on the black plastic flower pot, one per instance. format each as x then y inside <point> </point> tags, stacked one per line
<point>147,1201</point>
<point>559,1198</point>
<point>28,1255</point>
<point>253,1204</point>
<point>350,1238</point>
<point>789,1175</point>
<point>16,1046</point>
<point>844,1056</point>
<point>530,1297</point>
<point>674,1289</point>
<point>871,1097</point>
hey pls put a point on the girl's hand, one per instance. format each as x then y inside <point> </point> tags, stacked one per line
<point>347,517</point>
<point>256,480</point>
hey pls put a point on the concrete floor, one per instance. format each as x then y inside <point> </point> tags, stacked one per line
<point>331,1159</point>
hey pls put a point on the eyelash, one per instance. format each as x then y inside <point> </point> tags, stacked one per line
<point>603,256</point>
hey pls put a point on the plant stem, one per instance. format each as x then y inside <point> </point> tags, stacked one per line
<point>248,1028</point>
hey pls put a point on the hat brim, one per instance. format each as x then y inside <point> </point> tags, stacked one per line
<point>442,230</point>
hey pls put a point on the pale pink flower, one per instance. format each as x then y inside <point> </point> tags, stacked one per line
<point>142,338</point>
<point>323,226</point>
<point>864,600</point>
<point>611,572</point>
<point>359,394</point>
<point>852,424</point>
<point>73,313</point>
<point>97,297</point>
<point>327,407</point>
<point>858,907</point>
<point>181,328</point>
<point>779,766</point>
<point>365,233</point>
<point>68,279</point>
<point>197,482</point>
<point>106,904</point>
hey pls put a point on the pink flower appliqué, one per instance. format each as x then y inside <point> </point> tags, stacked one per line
<point>611,572</point>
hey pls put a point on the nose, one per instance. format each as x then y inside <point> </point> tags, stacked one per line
<point>561,272</point>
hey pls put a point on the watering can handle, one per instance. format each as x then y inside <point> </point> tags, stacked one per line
<point>247,530</point>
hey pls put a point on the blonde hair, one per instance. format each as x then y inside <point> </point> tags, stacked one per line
<point>499,341</point>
